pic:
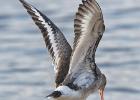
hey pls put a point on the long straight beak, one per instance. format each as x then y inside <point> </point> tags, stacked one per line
<point>101,92</point>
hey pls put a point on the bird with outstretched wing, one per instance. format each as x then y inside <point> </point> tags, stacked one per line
<point>77,75</point>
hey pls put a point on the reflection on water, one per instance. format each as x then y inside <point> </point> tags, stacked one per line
<point>25,68</point>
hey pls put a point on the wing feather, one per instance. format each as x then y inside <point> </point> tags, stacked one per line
<point>88,28</point>
<point>56,43</point>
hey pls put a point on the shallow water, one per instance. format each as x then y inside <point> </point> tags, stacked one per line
<point>26,72</point>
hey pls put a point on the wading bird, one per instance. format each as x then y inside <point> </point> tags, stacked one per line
<point>77,75</point>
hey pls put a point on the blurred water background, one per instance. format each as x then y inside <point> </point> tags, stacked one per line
<point>26,72</point>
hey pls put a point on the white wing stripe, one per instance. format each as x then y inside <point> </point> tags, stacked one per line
<point>50,34</point>
<point>58,47</point>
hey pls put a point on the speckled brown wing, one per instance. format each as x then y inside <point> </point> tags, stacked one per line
<point>56,43</point>
<point>88,28</point>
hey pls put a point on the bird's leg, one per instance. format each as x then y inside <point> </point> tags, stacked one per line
<point>101,92</point>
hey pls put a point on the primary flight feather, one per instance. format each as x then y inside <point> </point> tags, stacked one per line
<point>57,45</point>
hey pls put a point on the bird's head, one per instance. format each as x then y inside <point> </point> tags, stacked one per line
<point>64,93</point>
